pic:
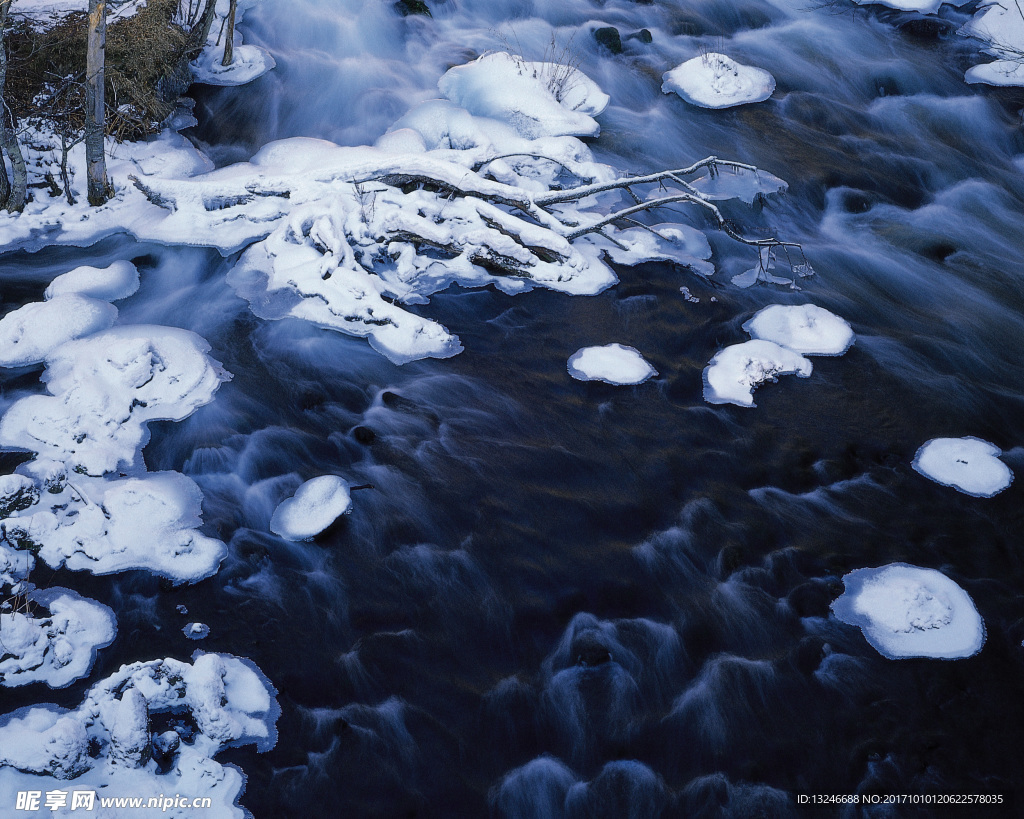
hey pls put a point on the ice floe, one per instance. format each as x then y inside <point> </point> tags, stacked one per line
<point>57,647</point>
<point>906,611</point>
<point>969,465</point>
<point>314,506</point>
<point>735,372</point>
<point>30,333</point>
<point>106,745</point>
<point>612,363</point>
<point>537,99</point>
<point>715,81</point>
<point>804,328</point>
<point>118,280</point>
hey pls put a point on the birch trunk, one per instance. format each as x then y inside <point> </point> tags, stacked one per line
<point>229,41</point>
<point>95,106</point>
<point>12,192</point>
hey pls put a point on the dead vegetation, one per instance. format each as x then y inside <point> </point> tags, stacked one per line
<point>146,70</point>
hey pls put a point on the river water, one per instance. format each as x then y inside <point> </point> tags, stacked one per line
<point>572,599</point>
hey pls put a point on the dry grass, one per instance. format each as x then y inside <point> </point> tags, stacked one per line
<point>47,70</point>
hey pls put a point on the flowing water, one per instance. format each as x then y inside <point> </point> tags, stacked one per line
<point>573,599</point>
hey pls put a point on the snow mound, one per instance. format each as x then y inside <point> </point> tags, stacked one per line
<point>906,611</point>
<point>105,388</point>
<point>249,62</point>
<point>735,372</point>
<point>105,526</point>
<point>112,283</point>
<point>315,506</point>
<point>30,333</point>
<point>716,81</point>
<point>612,363</point>
<point>105,745</point>
<point>805,328</point>
<point>56,649</point>
<point>537,99</point>
<point>969,465</point>
<point>196,631</point>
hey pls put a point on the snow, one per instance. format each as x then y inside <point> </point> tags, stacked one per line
<point>612,363</point>
<point>537,99</point>
<point>315,506</point>
<point>248,63</point>
<point>43,10</point>
<point>55,649</point>
<point>969,465</point>
<point>805,328</point>
<point>105,745</point>
<point>196,631</point>
<point>105,389</point>
<point>107,525</point>
<point>30,333</point>
<point>716,81</point>
<point>1000,28</point>
<point>906,611</point>
<point>735,372</point>
<point>112,283</point>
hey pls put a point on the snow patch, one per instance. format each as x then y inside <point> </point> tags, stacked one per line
<point>969,465</point>
<point>315,506</point>
<point>716,81</point>
<point>612,363</point>
<point>905,611</point>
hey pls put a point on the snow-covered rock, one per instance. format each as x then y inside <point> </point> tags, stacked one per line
<point>906,611</point>
<point>55,648</point>
<point>249,62</point>
<point>612,363</point>
<point>118,280</point>
<point>30,333</point>
<point>196,631</point>
<point>314,506</point>
<point>105,388</point>
<point>107,525</point>
<point>805,328</point>
<point>716,81</point>
<point>969,465</point>
<point>536,98</point>
<point>1000,28</point>
<point>735,372</point>
<point>105,745</point>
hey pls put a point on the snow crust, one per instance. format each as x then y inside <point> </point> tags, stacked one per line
<point>716,81</point>
<point>30,333</point>
<point>536,99</point>
<point>735,372</point>
<point>216,702</point>
<point>806,329</point>
<point>969,465</point>
<point>112,283</point>
<point>612,363</point>
<point>57,647</point>
<point>906,611</point>
<point>314,506</point>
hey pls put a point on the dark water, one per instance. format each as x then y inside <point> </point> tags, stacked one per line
<point>563,599</point>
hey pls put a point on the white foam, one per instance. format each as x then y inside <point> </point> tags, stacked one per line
<point>905,611</point>
<point>612,363</point>
<point>315,506</point>
<point>969,465</point>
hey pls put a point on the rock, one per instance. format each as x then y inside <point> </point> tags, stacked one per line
<point>608,36</point>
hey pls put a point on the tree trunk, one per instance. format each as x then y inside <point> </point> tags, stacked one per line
<point>12,193</point>
<point>95,105</point>
<point>229,42</point>
<point>200,33</point>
